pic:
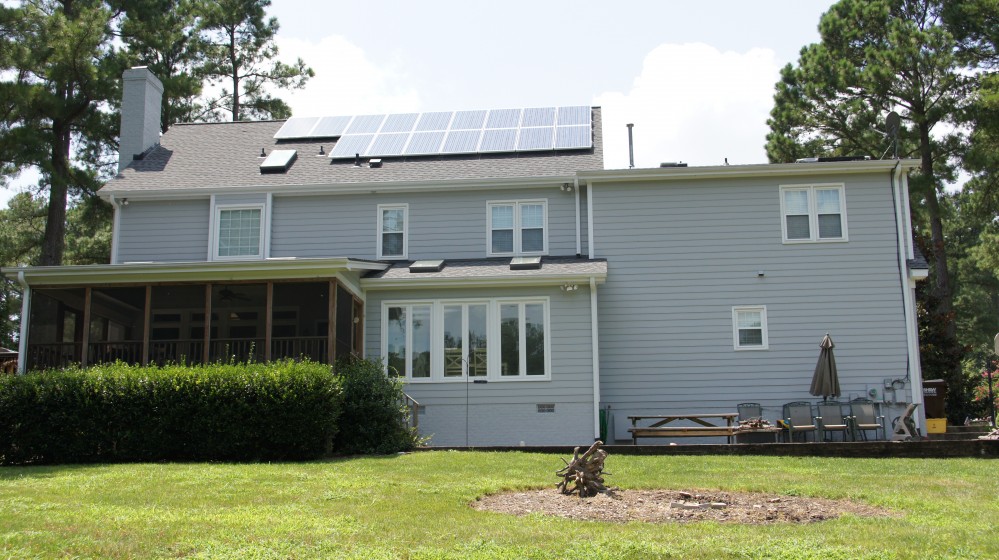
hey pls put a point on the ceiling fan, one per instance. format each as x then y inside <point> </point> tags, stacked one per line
<point>227,295</point>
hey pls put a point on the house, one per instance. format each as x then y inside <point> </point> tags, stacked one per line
<point>522,290</point>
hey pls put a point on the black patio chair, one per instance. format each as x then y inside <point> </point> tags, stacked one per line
<point>832,419</point>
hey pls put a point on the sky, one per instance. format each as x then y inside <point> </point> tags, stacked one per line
<point>695,78</point>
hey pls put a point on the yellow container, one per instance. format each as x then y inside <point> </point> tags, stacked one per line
<point>936,425</point>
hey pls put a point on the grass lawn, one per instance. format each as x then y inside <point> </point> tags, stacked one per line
<point>415,506</point>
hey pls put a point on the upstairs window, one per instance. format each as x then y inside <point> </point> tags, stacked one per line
<point>239,232</point>
<point>813,213</point>
<point>393,219</point>
<point>749,326</point>
<point>518,228</point>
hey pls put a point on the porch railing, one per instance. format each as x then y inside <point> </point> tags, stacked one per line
<point>236,349</point>
<point>129,351</point>
<point>53,355</point>
<point>314,348</point>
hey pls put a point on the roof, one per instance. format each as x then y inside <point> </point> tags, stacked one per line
<point>204,157</point>
<point>553,270</point>
<point>919,260</point>
<point>665,174</point>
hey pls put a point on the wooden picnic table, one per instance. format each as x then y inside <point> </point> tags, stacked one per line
<point>708,426</point>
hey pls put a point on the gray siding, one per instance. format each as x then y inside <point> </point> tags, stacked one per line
<point>447,225</point>
<point>682,255</point>
<point>164,231</point>
<point>248,198</point>
<point>508,407</point>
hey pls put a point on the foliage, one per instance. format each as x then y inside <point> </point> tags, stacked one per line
<point>417,506</point>
<point>977,364</point>
<point>375,416</point>
<point>240,52</point>
<point>116,412</point>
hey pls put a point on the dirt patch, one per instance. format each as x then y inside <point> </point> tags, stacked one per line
<point>671,506</point>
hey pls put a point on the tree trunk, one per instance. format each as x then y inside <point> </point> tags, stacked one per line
<point>941,288</point>
<point>54,241</point>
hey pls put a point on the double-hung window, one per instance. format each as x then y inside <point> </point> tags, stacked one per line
<point>451,340</point>
<point>813,213</point>
<point>239,231</point>
<point>749,326</point>
<point>518,227</point>
<point>393,220</point>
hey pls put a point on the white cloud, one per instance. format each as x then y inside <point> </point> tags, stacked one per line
<point>692,103</point>
<point>346,81</point>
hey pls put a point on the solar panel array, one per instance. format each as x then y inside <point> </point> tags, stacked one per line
<point>448,132</point>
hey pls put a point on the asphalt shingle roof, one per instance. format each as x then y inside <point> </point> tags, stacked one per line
<point>210,156</point>
<point>494,268</point>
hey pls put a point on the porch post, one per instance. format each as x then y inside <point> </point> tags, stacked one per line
<point>22,341</point>
<point>85,351</point>
<point>331,321</point>
<point>208,323</point>
<point>268,321</point>
<point>145,324</point>
<point>357,329</point>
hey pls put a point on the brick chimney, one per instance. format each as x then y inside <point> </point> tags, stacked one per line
<point>142,95</point>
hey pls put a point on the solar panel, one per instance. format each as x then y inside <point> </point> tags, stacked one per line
<point>544,116</point>
<point>425,143</point>
<point>434,121</point>
<point>278,161</point>
<point>296,127</point>
<point>503,118</point>
<point>574,115</point>
<point>542,138</point>
<point>388,144</point>
<point>468,120</point>
<point>572,137</point>
<point>501,140</point>
<point>461,141</point>
<point>365,124</point>
<point>329,127</point>
<point>400,123</point>
<point>349,145</point>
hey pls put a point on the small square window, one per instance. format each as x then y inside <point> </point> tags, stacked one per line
<point>239,232</point>
<point>749,328</point>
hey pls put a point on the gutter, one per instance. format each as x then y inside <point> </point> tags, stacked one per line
<point>595,352</point>
<point>115,227</point>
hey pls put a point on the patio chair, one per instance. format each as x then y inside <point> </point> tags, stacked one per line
<point>749,410</point>
<point>831,419</point>
<point>798,416</point>
<point>863,416</point>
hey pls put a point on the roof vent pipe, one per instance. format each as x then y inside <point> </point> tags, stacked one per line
<point>631,147</point>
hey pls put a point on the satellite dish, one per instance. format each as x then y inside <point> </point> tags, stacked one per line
<point>892,124</point>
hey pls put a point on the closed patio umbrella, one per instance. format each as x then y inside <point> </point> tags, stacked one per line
<point>825,381</point>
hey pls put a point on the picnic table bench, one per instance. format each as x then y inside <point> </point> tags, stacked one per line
<point>706,426</point>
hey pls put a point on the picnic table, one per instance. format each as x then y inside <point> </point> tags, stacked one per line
<point>708,425</point>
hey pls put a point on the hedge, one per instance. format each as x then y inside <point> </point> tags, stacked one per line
<point>225,412</point>
<point>375,417</point>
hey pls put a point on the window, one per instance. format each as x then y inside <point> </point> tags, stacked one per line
<point>392,224</point>
<point>498,339</point>
<point>813,213</point>
<point>518,227</point>
<point>239,232</point>
<point>749,325</point>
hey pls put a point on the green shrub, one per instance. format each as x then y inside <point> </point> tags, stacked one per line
<point>116,412</point>
<point>375,416</point>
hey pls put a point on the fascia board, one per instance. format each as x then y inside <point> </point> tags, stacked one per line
<point>478,281</point>
<point>741,171</point>
<point>131,273</point>
<point>340,188</point>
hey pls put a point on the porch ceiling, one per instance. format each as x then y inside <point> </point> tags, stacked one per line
<point>139,273</point>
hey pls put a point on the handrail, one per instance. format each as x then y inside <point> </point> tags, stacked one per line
<point>414,407</point>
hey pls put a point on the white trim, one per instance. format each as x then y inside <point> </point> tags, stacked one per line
<point>579,227</point>
<point>217,210</point>
<point>493,374</point>
<point>115,228</point>
<point>813,219</point>
<point>589,221</point>
<point>517,226</point>
<point>405,231</point>
<point>595,354</point>
<point>22,341</point>
<point>766,170</point>
<point>763,324</point>
<point>266,226</point>
<point>478,281</point>
<point>211,227</point>
<point>900,185</point>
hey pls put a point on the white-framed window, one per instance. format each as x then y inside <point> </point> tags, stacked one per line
<point>813,213</point>
<point>499,339</point>
<point>517,227</point>
<point>238,231</point>
<point>749,327</point>
<point>393,225</point>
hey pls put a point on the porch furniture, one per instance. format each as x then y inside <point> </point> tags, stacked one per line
<point>864,417</point>
<point>831,419</point>
<point>799,419</point>
<point>903,428</point>
<point>749,410</point>
<point>705,428</point>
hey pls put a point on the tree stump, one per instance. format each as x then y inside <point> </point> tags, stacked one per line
<point>585,474</point>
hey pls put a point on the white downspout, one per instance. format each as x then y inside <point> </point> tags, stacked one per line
<point>589,219</point>
<point>579,228</point>
<point>115,228</point>
<point>900,183</point>
<point>595,345</point>
<point>22,341</point>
